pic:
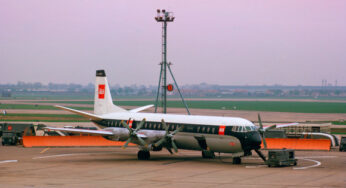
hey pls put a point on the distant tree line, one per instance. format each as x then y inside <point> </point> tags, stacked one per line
<point>195,90</point>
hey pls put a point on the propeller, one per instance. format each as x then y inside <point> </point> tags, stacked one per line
<point>133,134</point>
<point>168,137</point>
<point>261,130</point>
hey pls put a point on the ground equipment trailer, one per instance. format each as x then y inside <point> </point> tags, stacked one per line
<point>283,157</point>
<point>12,133</point>
<point>342,146</point>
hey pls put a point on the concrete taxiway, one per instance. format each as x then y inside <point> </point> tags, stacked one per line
<point>115,167</point>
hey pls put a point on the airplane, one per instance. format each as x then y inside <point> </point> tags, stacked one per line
<point>155,131</point>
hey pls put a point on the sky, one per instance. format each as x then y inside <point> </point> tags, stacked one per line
<point>226,42</point>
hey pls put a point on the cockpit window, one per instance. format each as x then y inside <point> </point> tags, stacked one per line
<point>243,128</point>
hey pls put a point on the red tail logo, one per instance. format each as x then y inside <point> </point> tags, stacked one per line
<point>101,91</point>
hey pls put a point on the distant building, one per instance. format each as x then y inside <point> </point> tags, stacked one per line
<point>6,93</point>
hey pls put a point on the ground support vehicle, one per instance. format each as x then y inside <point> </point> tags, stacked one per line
<point>342,146</point>
<point>283,157</point>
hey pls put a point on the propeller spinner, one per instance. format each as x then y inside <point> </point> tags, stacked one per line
<point>168,138</point>
<point>133,134</point>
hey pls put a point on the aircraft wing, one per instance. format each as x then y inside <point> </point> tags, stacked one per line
<point>279,126</point>
<point>286,125</point>
<point>141,108</point>
<point>85,131</point>
<point>84,114</point>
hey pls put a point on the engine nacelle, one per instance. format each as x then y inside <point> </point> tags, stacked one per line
<point>120,134</point>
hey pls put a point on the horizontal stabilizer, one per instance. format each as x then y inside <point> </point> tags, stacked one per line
<point>141,108</point>
<point>84,114</point>
<point>85,131</point>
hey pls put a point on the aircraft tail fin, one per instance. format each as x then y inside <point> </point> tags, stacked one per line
<point>103,103</point>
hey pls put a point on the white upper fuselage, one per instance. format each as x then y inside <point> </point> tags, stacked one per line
<point>181,119</point>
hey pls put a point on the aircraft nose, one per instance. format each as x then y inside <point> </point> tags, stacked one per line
<point>255,139</point>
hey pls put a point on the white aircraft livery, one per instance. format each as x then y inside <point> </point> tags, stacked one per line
<point>154,131</point>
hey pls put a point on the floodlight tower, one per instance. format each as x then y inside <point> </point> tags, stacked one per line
<point>164,17</point>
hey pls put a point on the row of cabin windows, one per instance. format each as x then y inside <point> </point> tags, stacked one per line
<point>200,129</point>
<point>156,126</point>
<point>203,129</point>
<point>172,127</point>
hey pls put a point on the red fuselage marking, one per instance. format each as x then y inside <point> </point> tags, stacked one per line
<point>101,91</point>
<point>130,123</point>
<point>222,130</point>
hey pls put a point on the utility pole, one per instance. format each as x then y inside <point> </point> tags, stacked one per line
<point>164,17</point>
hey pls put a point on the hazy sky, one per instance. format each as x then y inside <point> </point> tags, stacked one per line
<point>233,42</point>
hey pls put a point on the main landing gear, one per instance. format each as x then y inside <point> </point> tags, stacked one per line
<point>236,160</point>
<point>208,154</point>
<point>143,155</point>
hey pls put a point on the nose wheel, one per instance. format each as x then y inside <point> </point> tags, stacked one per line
<point>236,160</point>
<point>143,155</point>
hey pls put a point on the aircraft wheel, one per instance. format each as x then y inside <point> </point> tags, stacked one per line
<point>143,155</point>
<point>208,154</point>
<point>236,160</point>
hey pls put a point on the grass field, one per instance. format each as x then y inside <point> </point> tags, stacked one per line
<point>271,106</point>
<point>44,117</point>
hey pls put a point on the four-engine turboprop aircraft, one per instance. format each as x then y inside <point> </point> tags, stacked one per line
<point>154,131</point>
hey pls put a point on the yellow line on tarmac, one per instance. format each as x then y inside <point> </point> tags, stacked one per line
<point>44,150</point>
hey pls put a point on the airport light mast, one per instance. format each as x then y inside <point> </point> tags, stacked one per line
<point>164,17</point>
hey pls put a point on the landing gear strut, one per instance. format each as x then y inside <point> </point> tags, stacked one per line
<point>143,155</point>
<point>236,160</point>
<point>208,154</point>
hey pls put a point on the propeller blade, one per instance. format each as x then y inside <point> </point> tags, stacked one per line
<point>264,141</point>
<point>169,150</point>
<point>125,125</point>
<point>260,154</point>
<point>260,122</point>
<point>158,143</point>
<point>178,130</point>
<point>262,131</point>
<point>164,126</point>
<point>141,141</point>
<point>127,143</point>
<point>140,125</point>
<point>174,147</point>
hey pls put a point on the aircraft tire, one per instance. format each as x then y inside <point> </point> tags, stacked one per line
<point>143,155</point>
<point>208,154</point>
<point>236,160</point>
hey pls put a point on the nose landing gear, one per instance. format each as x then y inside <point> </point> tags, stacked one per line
<point>236,160</point>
